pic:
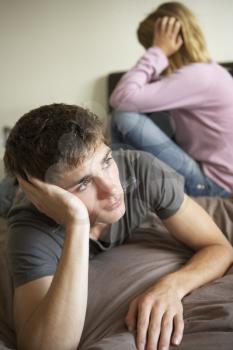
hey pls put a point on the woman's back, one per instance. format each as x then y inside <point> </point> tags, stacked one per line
<point>204,129</point>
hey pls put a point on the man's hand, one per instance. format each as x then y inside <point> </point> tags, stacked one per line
<point>167,35</point>
<point>157,317</point>
<point>55,202</point>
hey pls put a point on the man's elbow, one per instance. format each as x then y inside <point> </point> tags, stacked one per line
<point>45,339</point>
<point>230,251</point>
<point>227,252</point>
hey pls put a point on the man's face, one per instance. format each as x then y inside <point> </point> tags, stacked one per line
<point>97,184</point>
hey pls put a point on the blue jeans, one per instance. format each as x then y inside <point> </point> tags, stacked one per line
<point>138,131</point>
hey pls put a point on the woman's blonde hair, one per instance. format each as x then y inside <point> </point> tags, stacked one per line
<point>194,46</point>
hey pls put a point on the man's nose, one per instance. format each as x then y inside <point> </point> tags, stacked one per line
<point>106,185</point>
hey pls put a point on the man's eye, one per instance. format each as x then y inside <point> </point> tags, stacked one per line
<point>107,162</point>
<point>83,185</point>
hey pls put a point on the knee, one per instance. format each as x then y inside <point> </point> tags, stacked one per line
<point>124,120</point>
<point>118,117</point>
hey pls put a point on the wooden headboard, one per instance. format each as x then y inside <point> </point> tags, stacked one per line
<point>113,78</point>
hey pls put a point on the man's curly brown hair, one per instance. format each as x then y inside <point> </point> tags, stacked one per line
<point>57,136</point>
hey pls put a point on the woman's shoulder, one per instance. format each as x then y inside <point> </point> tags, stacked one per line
<point>209,73</point>
<point>203,68</point>
<point>205,72</point>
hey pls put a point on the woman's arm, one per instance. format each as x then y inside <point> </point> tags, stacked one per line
<point>141,90</point>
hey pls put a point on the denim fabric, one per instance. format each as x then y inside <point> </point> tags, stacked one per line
<point>138,131</point>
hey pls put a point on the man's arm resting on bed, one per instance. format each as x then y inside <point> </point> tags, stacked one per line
<point>214,254</point>
<point>157,314</point>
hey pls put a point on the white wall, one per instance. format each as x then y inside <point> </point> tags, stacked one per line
<point>62,50</point>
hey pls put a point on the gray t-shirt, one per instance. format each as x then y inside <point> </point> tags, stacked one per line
<point>35,241</point>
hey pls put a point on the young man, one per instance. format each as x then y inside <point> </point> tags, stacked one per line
<point>82,199</point>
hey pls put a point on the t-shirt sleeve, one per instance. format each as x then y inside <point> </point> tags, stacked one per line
<point>32,252</point>
<point>158,187</point>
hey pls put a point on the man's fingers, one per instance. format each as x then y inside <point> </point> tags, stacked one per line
<point>20,179</point>
<point>166,331</point>
<point>40,184</point>
<point>44,188</point>
<point>31,190</point>
<point>25,185</point>
<point>178,329</point>
<point>154,329</point>
<point>143,320</point>
<point>131,317</point>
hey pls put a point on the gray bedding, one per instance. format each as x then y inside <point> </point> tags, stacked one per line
<point>117,276</point>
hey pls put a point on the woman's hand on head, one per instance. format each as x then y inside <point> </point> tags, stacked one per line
<point>167,35</point>
<point>55,202</point>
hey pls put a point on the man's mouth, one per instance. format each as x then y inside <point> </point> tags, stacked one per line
<point>114,205</point>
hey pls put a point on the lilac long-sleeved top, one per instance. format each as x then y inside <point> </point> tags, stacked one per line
<point>200,98</point>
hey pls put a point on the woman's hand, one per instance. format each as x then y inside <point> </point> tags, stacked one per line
<point>157,318</point>
<point>55,202</point>
<point>167,35</point>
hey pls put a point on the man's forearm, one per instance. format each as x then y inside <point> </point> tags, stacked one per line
<point>206,265</point>
<point>58,321</point>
